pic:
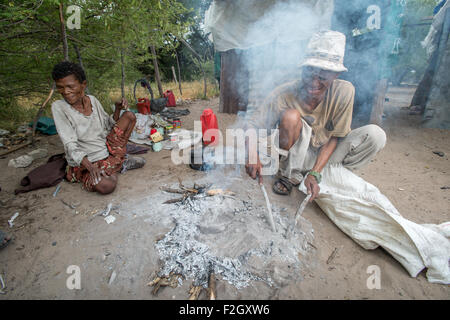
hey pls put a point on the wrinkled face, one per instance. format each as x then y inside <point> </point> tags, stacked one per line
<point>317,81</point>
<point>71,89</point>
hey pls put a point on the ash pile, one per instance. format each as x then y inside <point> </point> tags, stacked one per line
<point>217,232</point>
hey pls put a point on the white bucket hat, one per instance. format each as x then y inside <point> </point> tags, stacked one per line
<point>326,51</point>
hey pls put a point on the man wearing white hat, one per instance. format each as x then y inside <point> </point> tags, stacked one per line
<point>314,116</point>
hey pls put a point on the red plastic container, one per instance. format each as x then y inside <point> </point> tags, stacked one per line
<point>143,106</point>
<point>209,123</point>
<point>171,102</point>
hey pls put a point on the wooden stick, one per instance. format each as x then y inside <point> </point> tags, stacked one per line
<point>122,85</point>
<point>63,33</point>
<point>195,292</point>
<point>212,287</point>
<point>155,65</point>
<point>269,208</point>
<point>179,74</point>
<point>301,208</point>
<point>41,109</point>
<point>16,148</point>
<point>332,255</point>
<point>174,75</point>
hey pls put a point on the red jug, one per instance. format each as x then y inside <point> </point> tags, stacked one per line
<point>143,106</point>
<point>171,102</point>
<point>210,127</point>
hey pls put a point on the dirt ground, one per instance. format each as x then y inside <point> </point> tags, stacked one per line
<point>49,236</point>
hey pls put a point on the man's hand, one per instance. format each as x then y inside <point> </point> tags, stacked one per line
<point>312,186</point>
<point>254,170</point>
<point>122,104</point>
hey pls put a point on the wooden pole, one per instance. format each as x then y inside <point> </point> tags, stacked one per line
<point>376,116</point>
<point>63,33</point>
<point>80,61</point>
<point>155,64</point>
<point>175,77</point>
<point>41,109</point>
<point>179,73</point>
<point>122,85</point>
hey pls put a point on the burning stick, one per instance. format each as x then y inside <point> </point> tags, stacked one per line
<point>298,214</point>
<point>158,282</point>
<point>212,287</point>
<point>195,292</point>
<point>269,208</point>
<point>221,192</point>
<point>301,209</point>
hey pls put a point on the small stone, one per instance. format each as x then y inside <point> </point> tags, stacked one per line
<point>54,243</point>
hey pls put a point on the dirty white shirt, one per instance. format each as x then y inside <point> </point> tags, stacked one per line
<point>82,135</point>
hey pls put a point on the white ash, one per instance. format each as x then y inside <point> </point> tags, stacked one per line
<point>231,238</point>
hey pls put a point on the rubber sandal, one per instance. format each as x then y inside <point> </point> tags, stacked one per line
<point>286,183</point>
<point>3,240</point>
<point>132,163</point>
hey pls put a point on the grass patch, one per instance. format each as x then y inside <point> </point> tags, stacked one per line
<point>22,110</point>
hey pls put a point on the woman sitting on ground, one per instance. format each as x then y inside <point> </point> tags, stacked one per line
<point>94,143</point>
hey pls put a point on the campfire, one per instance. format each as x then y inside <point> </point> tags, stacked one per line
<point>217,235</point>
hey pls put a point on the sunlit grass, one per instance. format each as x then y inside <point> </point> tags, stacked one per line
<point>22,110</point>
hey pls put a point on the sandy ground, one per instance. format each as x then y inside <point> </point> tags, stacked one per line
<point>49,237</point>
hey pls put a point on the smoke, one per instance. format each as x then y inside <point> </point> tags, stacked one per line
<point>281,35</point>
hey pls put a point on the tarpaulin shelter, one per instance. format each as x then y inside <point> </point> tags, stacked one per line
<point>262,43</point>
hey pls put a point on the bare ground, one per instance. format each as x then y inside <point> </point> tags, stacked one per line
<point>49,236</point>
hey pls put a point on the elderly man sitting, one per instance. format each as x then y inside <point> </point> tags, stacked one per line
<point>314,116</point>
<point>94,143</point>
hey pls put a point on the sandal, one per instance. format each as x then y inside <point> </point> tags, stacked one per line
<point>285,183</point>
<point>4,240</point>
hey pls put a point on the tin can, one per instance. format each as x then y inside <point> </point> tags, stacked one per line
<point>176,123</point>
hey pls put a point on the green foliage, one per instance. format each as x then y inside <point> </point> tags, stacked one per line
<point>31,41</point>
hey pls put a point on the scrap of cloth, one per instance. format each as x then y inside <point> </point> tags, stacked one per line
<point>362,212</point>
<point>44,176</point>
<point>117,148</point>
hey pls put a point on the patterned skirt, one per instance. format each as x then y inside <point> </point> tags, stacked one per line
<point>117,148</point>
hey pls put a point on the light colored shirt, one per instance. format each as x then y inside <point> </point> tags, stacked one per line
<point>82,135</point>
<point>331,118</point>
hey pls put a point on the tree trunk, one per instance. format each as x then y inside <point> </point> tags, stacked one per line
<point>80,62</point>
<point>376,116</point>
<point>179,73</point>
<point>157,77</point>
<point>63,33</point>
<point>122,85</point>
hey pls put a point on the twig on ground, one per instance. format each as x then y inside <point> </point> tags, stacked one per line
<point>332,256</point>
